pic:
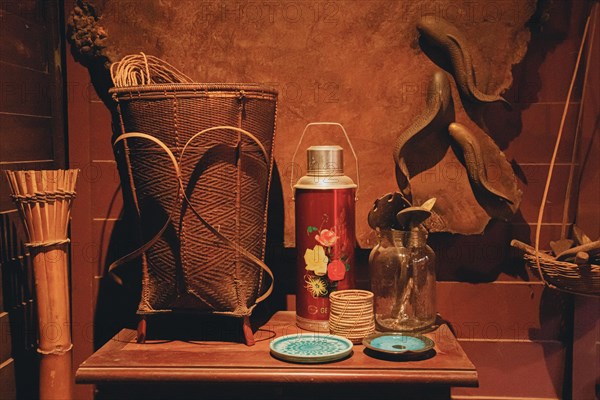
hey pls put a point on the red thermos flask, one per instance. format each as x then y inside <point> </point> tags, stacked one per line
<point>325,233</point>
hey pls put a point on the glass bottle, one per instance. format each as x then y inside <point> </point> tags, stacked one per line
<point>402,271</point>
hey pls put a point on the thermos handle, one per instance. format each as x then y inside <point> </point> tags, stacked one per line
<point>349,143</point>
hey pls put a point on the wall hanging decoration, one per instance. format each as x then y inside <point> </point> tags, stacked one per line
<point>43,199</point>
<point>490,188</point>
<point>440,33</point>
<point>199,159</point>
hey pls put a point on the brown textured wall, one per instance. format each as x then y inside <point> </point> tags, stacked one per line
<point>358,68</point>
<point>354,62</point>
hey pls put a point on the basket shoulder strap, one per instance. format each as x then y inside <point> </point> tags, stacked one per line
<point>228,128</point>
<point>214,231</point>
<point>140,250</point>
<point>136,253</point>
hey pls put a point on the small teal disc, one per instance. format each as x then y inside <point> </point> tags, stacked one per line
<point>398,343</point>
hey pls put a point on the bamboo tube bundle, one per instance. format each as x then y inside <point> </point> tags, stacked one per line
<point>44,200</point>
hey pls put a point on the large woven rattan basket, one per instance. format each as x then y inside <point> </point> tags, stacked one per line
<point>203,220</point>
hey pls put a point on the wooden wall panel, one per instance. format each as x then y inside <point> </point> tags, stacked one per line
<point>83,266</point>
<point>539,124</point>
<point>26,91</point>
<point>557,63</point>
<point>515,370</point>
<point>28,10</point>
<point>31,137</point>
<point>8,389</point>
<point>18,327</point>
<point>20,133</point>
<point>544,74</point>
<point>502,310</point>
<point>536,180</point>
<point>23,43</point>
<point>31,104</point>
<point>101,133</point>
<point>5,337</point>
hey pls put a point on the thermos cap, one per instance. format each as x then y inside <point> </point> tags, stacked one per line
<point>325,160</point>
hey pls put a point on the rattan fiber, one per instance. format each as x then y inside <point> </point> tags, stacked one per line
<point>351,314</point>
<point>566,276</point>
<point>226,179</point>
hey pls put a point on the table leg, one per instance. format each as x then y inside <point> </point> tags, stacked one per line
<point>247,328</point>
<point>141,329</point>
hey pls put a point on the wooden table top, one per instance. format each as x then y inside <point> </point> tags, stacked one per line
<point>122,360</point>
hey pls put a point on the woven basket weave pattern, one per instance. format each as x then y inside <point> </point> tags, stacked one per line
<point>188,268</point>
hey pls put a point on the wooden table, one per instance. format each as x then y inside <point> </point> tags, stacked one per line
<point>177,369</point>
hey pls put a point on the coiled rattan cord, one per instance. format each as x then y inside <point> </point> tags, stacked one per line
<point>142,69</point>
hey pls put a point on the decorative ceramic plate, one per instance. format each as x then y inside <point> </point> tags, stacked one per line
<point>398,343</point>
<point>311,348</point>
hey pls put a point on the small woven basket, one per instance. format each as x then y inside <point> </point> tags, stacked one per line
<point>566,276</point>
<point>198,159</point>
<point>351,314</point>
<point>569,277</point>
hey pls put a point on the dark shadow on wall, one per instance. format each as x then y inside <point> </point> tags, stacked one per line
<point>18,328</point>
<point>482,258</point>
<point>557,309</point>
<point>275,255</point>
<point>549,27</point>
<point>279,259</point>
<point>117,304</point>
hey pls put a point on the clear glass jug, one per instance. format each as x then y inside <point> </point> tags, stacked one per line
<point>402,271</point>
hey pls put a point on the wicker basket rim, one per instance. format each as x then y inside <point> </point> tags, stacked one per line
<point>351,294</point>
<point>198,89</point>
<point>548,263</point>
<point>568,277</point>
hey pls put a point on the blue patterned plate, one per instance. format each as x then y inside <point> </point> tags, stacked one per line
<point>398,343</point>
<point>311,348</point>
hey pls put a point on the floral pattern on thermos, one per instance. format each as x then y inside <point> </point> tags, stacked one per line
<point>325,241</point>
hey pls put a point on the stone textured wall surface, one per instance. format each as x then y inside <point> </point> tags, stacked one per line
<point>354,62</point>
